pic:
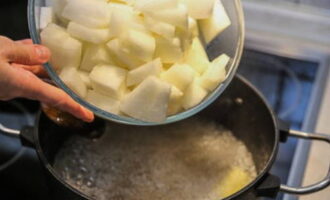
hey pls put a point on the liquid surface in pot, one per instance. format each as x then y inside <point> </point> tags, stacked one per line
<point>191,160</point>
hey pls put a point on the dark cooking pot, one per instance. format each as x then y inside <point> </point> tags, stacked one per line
<point>240,108</point>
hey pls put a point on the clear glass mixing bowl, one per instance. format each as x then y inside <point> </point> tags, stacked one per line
<point>231,42</point>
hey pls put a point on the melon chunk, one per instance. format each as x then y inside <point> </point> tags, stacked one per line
<point>236,179</point>
<point>216,73</point>
<point>149,101</point>
<point>169,50</point>
<point>91,35</point>
<point>128,2</point>
<point>123,57</point>
<point>66,51</point>
<point>193,27</point>
<point>109,80</point>
<point>194,95</point>
<point>140,44</point>
<point>176,95</point>
<point>196,57</point>
<point>58,6</point>
<point>160,28</point>
<point>175,103</point>
<point>122,19</point>
<point>94,55</point>
<point>46,17</point>
<point>179,75</point>
<point>102,101</point>
<point>115,5</point>
<point>90,13</point>
<point>176,16</point>
<point>84,76</point>
<point>139,74</point>
<point>217,23</point>
<point>200,9</point>
<point>186,35</point>
<point>71,78</point>
<point>154,5</point>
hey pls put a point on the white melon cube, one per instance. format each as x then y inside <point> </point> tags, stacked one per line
<point>91,35</point>
<point>102,101</point>
<point>94,55</point>
<point>108,80</point>
<point>174,109</point>
<point>84,76</point>
<point>179,75</point>
<point>58,6</point>
<point>200,9</point>
<point>175,103</point>
<point>149,101</point>
<point>193,27</point>
<point>90,13</point>
<point>185,38</point>
<point>137,75</point>
<point>127,2</point>
<point>194,95</point>
<point>46,17</point>
<point>66,51</point>
<point>176,95</point>
<point>115,5</point>
<point>196,56</point>
<point>152,5</point>
<point>140,44</point>
<point>176,16</point>
<point>123,57</point>
<point>160,28</point>
<point>186,35</point>
<point>122,19</point>
<point>71,78</point>
<point>139,24</point>
<point>216,73</point>
<point>169,50</point>
<point>217,23</point>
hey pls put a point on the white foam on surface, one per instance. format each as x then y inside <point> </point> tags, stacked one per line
<point>183,161</point>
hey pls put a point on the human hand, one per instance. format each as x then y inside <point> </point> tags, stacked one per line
<point>20,65</point>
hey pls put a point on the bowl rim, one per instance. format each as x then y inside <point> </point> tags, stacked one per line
<point>129,120</point>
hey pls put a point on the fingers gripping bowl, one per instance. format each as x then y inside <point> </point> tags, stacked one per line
<point>227,44</point>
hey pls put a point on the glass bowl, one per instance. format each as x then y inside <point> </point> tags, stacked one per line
<point>231,42</point>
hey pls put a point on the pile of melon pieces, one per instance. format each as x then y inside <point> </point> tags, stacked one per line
<point>138,58</point>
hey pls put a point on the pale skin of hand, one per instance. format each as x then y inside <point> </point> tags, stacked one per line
<point>20,69</point>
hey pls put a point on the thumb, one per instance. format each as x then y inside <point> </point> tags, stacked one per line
<point>26,54</point>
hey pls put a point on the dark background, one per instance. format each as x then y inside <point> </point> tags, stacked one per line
<point>13,19</point>
<point>21,180</point>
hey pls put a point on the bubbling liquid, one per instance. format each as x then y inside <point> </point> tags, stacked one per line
<point>187,160</point>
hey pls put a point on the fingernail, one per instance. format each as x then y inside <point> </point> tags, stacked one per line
<point>42,52</point>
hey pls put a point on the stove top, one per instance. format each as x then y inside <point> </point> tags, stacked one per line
<point>287,85</point>
<point>20,172</point>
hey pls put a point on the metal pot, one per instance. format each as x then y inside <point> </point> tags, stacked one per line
<point>240,108</point>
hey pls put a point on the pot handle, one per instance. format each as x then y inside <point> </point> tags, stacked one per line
<point>25,134</point>
<point>9,131</point>
<point>314,187</point>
